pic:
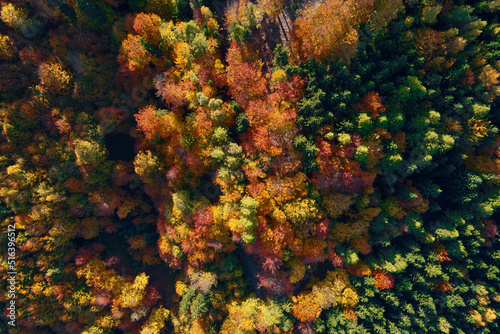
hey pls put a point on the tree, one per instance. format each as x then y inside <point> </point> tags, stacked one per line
<point>147,166</point>
<point>199,306</point>
<point>244,77</point>
<point>326,31</point>
<point>54,78</point>
<point>161,8</point>
<point>244,314</point>
<point>371,103</point>
<point>272,8</point>
<point>203,281</point>
<point>384,12</point>
<point>147,26</point>
<point>18,19</point>
<point>383,280</point>
<point>133,55</point>
<point>6,47</point>
<point>305,308</point>
<point>89,153</point>
<point>156,321</point>
<point>132,295</point>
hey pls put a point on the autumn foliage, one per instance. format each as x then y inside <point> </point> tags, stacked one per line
<point>327,30</point>
<point>290,167</point>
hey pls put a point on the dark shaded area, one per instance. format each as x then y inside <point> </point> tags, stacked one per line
<point>163,279</point>
<point>183,11</point>
<point>249,270</point>
<point>79,242</point>
<point>120,146</point>
<point>116,246</point>
<point>208,188</point>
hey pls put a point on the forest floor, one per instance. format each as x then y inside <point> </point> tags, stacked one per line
<point>270,33</point>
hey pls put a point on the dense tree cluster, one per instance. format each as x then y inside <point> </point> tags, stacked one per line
<point>164,176</point>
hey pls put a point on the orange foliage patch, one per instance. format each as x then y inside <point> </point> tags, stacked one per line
<point>327,30</point>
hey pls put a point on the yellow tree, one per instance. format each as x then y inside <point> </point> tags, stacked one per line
<point>156,321</point>
<point>272,8</point>
<point>54,78</point>
<point>133,294</point>
<point>327,30</point>
<point>6,47</point>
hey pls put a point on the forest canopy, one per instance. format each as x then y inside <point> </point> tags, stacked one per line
<point>255,166</point>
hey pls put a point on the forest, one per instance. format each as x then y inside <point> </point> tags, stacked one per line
<point>249,166</point>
